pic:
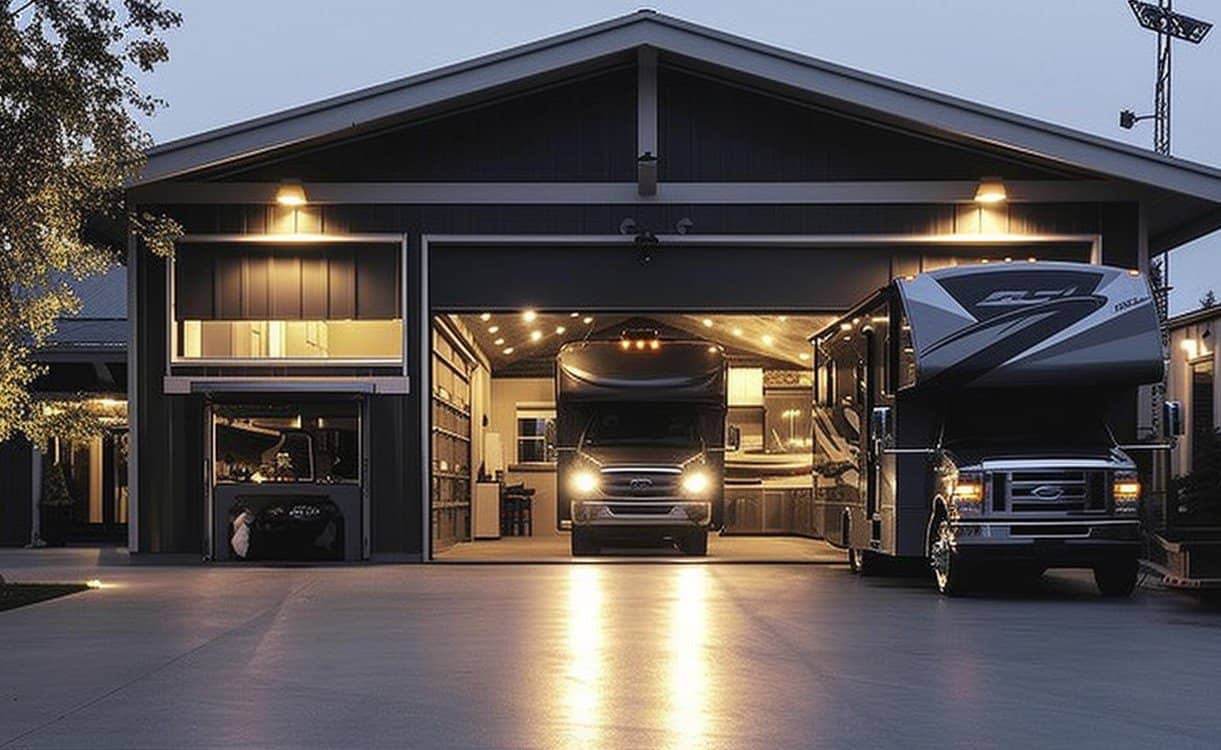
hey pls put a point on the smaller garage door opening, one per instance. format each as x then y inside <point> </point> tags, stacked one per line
<point>578,434</point>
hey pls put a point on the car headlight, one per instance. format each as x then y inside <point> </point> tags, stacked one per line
<point>585,482</point>
<point>697,482</point>
<point>967,496</point>
<point>1125,491</point>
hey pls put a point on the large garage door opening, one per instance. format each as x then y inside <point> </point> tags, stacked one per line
<point>573,412</point>
<point>658,430</point>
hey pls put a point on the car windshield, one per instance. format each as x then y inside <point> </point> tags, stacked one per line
<point>1027,419</point>
<point>643,424</point>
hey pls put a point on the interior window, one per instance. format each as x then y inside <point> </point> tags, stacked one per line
<point>312,444</point>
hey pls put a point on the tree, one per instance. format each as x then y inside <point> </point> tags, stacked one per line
<point>69,142</point>
<point>1209,299</point>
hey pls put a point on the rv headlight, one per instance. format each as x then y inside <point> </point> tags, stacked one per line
<point>697,482</point>
<point>968,494</point>
<point>1125,491</point>
<point>585,482</point>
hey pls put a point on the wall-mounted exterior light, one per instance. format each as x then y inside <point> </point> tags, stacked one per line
<point>291,194</point>
<point>991,190</point>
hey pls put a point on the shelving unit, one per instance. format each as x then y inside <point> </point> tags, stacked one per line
<point>451,442</point>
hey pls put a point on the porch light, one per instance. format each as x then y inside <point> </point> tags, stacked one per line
<point>991,190</point>
<point>291,193</point>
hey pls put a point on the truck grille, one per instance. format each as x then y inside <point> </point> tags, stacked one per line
<point>639,484</point>
<point>1049,491</point>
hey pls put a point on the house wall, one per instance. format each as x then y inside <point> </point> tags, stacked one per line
<point>1192,344</point>
<point>16,468</point>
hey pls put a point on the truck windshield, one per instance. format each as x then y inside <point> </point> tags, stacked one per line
<point>643,424</point>
<point>1027,419</point>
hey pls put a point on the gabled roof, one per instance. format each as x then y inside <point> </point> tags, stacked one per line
<point>101,322</point>
<point>869,95</point>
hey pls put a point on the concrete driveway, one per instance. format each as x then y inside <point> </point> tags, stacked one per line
<point>588,656</point>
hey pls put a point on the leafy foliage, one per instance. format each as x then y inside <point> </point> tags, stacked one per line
<point>54,486</point>
<point>70,141</point>
<point>1209,299</point>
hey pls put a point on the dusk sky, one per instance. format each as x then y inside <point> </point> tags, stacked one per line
<point>1071,63</point>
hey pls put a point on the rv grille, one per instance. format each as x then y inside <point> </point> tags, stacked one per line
<point>639,485</point>
<point>1054,491</point>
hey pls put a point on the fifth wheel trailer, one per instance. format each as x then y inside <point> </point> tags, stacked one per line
<point>965,415</point>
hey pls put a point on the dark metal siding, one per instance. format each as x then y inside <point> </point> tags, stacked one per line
<point>713,131</point>
<point>16,457</point>
<point>579,131</point>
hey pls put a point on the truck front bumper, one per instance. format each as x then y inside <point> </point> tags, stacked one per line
<point>678,515</point>
<point>1062,542</point>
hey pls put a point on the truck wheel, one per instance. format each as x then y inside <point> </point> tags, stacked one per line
<point>1117,579</point>
<point>695,545</point>
<point>584,543</point>
<point>950,573</point>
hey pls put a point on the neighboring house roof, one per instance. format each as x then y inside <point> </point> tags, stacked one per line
<point>101,323</point>
<point>1203,315</point>
<point>1193,189</point>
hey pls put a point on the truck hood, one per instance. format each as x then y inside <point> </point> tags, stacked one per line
<point>639,455</point>
<point>975,455</point>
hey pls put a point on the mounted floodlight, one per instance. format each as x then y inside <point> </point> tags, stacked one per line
<point>1163,20</point>
<point>291,193</point>
<point>991,190</point>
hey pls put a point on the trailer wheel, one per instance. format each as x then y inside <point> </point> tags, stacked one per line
<point>1117,579</point>
<point>949,572</point>
<point>695,545</point>
<point>584,544</point>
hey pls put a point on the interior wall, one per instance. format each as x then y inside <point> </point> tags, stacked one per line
<point>507,394</point>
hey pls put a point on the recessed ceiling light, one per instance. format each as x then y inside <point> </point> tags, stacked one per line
<point>498,342</point>
<point>803,356</point>
<point>508,350</point>
<point>587,320</point>
<point>536,335</point>
<point>485,317</point>
<point>559,330</point>
<point>574,315</point>
<point>708,322</point>
<point>737,331</point>
<point>768,339</point>
<point>493,329</point>
<point>529,316</point>
<point>783,318</point>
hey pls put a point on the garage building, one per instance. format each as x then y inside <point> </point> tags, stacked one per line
<point>363,315</point>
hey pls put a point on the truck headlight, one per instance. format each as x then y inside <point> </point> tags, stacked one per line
<point>967,497</point>
<point>1125,491</point>
<point>585,482</point>
<point>697,482</point>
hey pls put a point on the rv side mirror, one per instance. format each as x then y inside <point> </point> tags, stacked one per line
<point>1172,418</point>
<point>880,423</point>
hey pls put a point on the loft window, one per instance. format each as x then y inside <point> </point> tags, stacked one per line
<point>293,302</point>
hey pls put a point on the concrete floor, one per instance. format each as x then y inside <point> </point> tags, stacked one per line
<point>557,549</point>
<point>589,656</point>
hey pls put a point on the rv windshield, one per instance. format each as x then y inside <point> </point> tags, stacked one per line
<point>643,424</point>
<point>1027,419</point>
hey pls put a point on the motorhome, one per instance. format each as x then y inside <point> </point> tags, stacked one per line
<point>974,416</point>
<point>640,426</point>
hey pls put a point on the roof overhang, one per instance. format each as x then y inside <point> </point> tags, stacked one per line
<point>817,81</point>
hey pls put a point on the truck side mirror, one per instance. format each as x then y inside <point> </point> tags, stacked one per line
<point>879,424</point>
<point>1172,418</point>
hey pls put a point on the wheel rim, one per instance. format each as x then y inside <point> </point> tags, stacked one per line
<point>939,555</point>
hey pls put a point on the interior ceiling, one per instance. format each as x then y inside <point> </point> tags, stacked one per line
<point>524,344</point>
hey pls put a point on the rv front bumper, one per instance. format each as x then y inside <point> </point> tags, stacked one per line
<point>668,514</point>
<point>1061,542</point>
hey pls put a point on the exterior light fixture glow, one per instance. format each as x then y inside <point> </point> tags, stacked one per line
<point>290,194</point>
<point>625,344</point>
<point>991,190</point>
<point>1133,272</point>
<point>654,344</point>
<point>529,316</point>
<point>93,583</point>
<point>536,335</point>
<point>1190,347</point>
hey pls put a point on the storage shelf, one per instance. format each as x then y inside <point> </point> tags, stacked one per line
<point>452,434</point>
